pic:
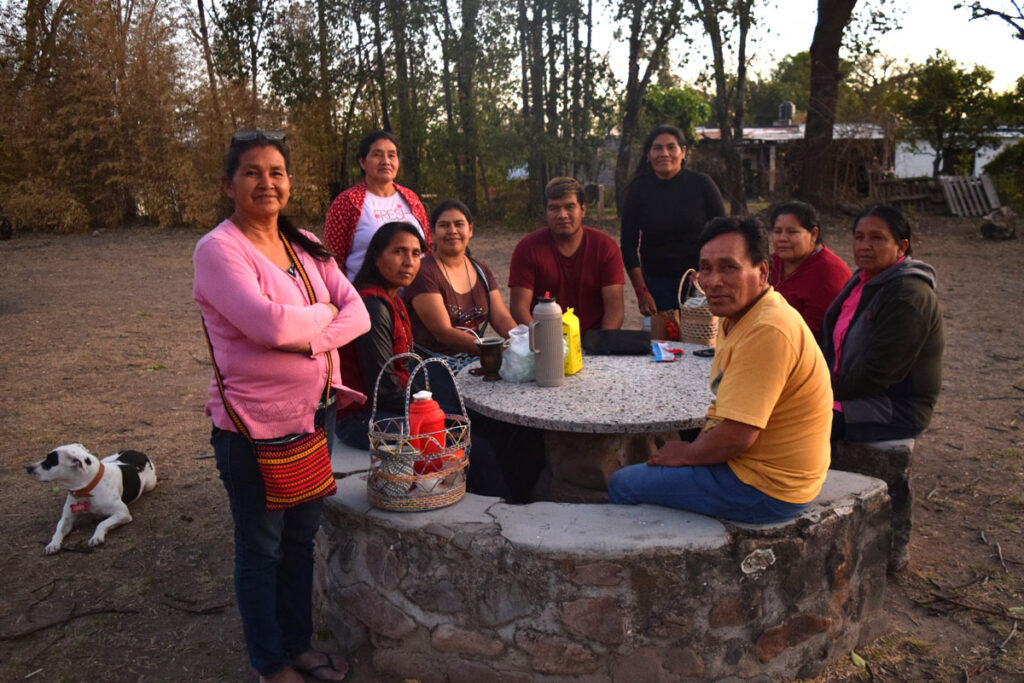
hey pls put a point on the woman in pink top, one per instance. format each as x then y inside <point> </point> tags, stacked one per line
<point>271,345</point>
<point>804,271</point>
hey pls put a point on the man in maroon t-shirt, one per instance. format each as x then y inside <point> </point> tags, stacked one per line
<point>580,266</point>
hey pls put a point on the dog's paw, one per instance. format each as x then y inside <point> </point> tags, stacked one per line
<point>53,548</point>
<point>95,541</point>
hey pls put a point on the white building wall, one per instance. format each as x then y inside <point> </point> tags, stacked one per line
<point>911,163</point>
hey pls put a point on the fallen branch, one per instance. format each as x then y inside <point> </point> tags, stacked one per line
<point>69,618</point>
<point>1002,645</point>
<point>954,601</point>
<point>999,551</point>
<point>213,609</point>
<point>954,446</point>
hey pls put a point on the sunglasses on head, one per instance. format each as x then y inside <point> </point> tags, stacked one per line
<point>249,135</point>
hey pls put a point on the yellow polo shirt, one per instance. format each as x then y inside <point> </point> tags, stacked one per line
<point>769,373</point>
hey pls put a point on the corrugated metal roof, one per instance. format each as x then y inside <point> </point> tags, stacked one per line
<point>840,131</point>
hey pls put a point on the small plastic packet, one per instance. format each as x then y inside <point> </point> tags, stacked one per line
<point>664,352</point>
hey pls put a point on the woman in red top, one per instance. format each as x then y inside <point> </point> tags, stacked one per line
<point>804,271</point>
<point>358,212</point>
<point>393,259</point>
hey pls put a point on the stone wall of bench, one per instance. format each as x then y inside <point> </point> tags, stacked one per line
<point>549,592</point>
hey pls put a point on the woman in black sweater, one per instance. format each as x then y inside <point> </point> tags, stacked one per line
<point>666,207</point>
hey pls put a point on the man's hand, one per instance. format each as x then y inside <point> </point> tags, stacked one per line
<point>672,454</point>
<point>724,441</point>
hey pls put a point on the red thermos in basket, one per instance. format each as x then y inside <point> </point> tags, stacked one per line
<point>426,417</point>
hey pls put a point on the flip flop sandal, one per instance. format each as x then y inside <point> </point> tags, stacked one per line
<point>329,665</point>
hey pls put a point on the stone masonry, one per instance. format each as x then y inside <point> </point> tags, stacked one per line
<point>556,592</point>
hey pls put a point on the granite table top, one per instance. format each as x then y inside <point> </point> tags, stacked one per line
<point>610,395</point>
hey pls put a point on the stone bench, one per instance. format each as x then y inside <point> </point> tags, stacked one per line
<point>890,462</point>
<point>546,592</point>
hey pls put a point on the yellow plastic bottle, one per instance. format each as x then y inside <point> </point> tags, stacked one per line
<point>571,333</point>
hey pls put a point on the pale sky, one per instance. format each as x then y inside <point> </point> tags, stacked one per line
<point>926,25</point>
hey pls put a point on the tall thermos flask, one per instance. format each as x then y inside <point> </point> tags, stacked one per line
<point>546,342</point>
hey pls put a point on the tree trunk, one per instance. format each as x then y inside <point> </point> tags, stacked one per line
<point>708,13</point>
<point>253,62</point>
<point>406,127</point>
<point>532,39</point>
<point>382,74</point>
<point>447,38</point>
<point>833,18</point>
<point>636,86</point>
<point>468,55</point>
<point>204,35</point>
<point>326,98</point>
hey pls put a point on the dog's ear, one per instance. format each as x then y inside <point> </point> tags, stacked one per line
<point>74,461</point>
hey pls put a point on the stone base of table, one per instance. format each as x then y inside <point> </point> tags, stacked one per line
<point>548,592</point>
<point>579,465</point>
<point>890,462</point>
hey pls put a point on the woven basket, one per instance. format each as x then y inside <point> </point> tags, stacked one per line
<point>393,483</point>
<point>696,323</point>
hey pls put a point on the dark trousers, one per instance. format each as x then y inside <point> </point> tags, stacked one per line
<point>273,558</point>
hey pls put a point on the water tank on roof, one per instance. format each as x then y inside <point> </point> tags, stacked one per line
<point>787,110</point>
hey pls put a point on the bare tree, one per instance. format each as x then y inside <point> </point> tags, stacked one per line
<point>1012,15</point>
<point>721,21</point>
<point>653,23</point>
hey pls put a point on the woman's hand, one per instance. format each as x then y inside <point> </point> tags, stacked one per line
<point>334,309</point>
<point>645,302</point>
<point>305,348</point>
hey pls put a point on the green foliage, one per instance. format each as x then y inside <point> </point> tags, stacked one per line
<point>682,107</point>
<point>950,108</point>
<point>1007,173</point>
<point>790,81</point>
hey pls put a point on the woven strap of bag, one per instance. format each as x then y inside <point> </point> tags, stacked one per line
<point>235,419</point>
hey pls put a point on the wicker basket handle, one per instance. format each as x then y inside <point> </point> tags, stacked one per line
<point>383,369</point>
<point>689,291</point>
<point>422,366</point>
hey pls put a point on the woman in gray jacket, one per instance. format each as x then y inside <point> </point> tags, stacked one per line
<point>882,336</point>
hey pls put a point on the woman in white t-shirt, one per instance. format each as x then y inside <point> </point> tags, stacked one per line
<point>358,212</point>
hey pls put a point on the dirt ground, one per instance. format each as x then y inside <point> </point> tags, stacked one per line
<point>101,344</point>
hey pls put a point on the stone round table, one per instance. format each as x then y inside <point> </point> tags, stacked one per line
<point>614,412</point>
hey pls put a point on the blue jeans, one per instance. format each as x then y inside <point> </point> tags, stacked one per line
<point>273,557</point>
<point>665,291</point>
<point>708,490</point>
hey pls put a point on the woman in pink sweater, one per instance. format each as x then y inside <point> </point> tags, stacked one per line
<point>272,348</point>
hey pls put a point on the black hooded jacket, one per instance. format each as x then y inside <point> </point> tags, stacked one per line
<point>890,369</point>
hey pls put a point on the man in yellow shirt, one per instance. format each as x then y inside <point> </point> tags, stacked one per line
<point>764,450</point>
